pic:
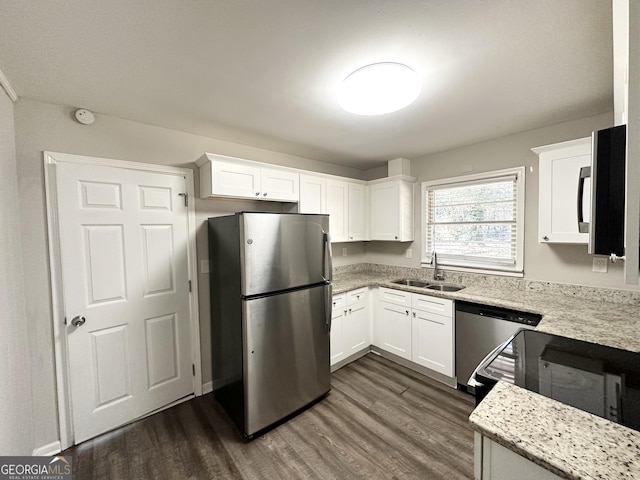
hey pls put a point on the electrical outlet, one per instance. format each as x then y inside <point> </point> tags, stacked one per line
<point>409,253</point>
<point>344,251</point>
<point>600,264</point>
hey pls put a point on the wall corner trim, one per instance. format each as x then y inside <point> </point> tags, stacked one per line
<point>4,83</point>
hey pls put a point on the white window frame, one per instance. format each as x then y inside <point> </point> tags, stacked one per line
<point>518,269</point>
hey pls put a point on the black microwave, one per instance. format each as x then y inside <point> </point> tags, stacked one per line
<point>608,172</point>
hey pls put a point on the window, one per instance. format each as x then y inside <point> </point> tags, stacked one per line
<point>475,222</point>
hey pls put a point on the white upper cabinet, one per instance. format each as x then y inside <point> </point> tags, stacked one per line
<point>357,212</point>
<point>313,194</point>
<point>338,210</point>
<point>347,209</point>
<point>564,191</point>
<point>391,209</point>
<point>222,176</point>
<point>279,185</point>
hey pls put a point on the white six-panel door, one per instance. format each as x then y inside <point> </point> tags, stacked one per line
<point>123,243</point>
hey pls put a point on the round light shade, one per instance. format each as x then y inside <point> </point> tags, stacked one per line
<point>379,88</point>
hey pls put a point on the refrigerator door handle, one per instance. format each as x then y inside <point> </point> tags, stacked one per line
<point>328,304</point>
<point>327,264</point>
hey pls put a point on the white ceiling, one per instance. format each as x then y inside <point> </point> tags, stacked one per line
<point>265,72</point>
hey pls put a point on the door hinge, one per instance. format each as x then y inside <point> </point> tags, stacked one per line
<point>193,368</point>
<point>186,198</point>
<point>189,286</point>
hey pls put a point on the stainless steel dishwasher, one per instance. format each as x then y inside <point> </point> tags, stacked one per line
<point>479,330</point>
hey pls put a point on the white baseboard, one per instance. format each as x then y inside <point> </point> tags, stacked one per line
<point>207,388</point>
<point>48,450</point>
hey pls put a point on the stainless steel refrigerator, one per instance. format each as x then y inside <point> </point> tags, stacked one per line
<point>270,283</point>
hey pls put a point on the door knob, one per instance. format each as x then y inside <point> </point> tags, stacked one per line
<point>78,321</point>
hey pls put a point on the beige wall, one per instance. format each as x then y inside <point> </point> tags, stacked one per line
<point>553,263</point>
<point>43,126</point>
<point>16,422</point>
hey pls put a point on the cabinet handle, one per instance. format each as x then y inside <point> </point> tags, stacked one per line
<point>345,312</point>
<point>257,194</point>
<point>545,238</point>
<point>264,194</point>
<point>414,314</point>
<point>396,237</point>
<point>407,312</point>
<point>349,310</point>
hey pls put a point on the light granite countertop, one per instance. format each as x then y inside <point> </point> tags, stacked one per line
<point>567,441</point>
<point>598,321</point>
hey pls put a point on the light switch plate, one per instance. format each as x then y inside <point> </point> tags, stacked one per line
<point>344,251</point>
<point>600,264</point>
<point>409,253</point>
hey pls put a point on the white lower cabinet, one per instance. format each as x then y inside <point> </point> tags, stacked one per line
<point>350,326</point>
<point>432,333</point>
<point>394,329</point>
<point>495,462</point>
<point>337,320</point>
<point>416,327</point>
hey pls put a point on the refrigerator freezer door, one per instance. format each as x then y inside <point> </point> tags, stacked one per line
<point>280,252</point>
<point>286,355</point>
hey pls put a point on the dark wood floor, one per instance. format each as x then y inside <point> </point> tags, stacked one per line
<point>380,421</point>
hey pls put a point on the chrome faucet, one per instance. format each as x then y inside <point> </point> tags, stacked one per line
<point>434,261</point>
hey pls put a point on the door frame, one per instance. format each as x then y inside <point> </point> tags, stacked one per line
<point>63,385</point>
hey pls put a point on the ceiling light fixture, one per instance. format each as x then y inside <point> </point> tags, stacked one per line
<point>379,88</point>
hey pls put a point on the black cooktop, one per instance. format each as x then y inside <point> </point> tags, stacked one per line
<point>601,380</point>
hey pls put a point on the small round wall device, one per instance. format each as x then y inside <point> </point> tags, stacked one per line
<point>85,117</point>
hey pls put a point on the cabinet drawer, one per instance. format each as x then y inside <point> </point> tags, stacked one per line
<point>440,306</point>
<point>339,301</point>
<point>355,296</point>
<point>395,296</point>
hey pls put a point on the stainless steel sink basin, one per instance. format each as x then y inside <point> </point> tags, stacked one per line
<point>411,283</point>
<point>444,287</point>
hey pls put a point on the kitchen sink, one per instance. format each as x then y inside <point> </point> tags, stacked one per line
<point>411,283</point>
<point>442,287</point>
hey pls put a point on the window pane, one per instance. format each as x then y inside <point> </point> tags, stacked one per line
<point>475,223</point>
<point>479,212</point>
<point>473,240</point>
<point>488,192</point>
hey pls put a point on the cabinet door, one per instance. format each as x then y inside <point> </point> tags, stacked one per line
<point>355,328</point>
<point>432,341</point>
<point>357,209</point>
<point>558,192</point>
<point>235,180</point>
<point>279,185</point>
<point>394,329</point>
<point>313,194</point>
<point>337,329</point>
<point>385,221</point>
<point>338,210</point>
